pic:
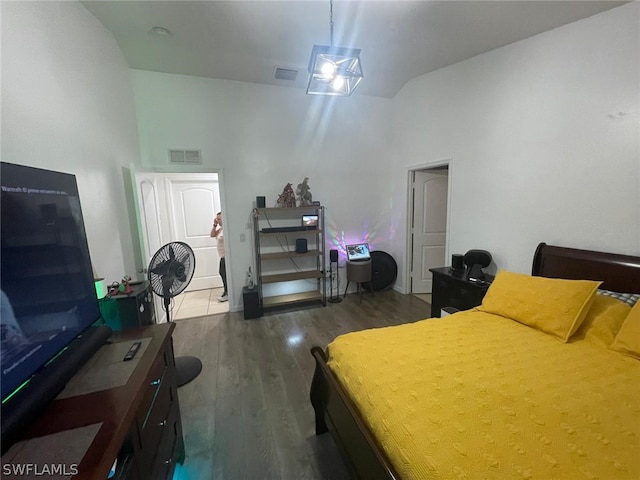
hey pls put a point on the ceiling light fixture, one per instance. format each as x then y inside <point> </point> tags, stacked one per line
<point>333,70</point>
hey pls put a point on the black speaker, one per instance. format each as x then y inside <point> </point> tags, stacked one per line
<point>333,259</point>
<point>261,202</point>
<point>251,303</point>
<point>301,245</point>
<point>457,262</point>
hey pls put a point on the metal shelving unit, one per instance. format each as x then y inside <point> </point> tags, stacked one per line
<point>277,260</point>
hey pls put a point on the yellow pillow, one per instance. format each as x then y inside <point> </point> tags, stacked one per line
<point>603,321</point>
<point>552,305</point>
<point>628,339</point>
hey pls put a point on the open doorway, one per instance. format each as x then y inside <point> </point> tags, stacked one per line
<point>427,226</point>
<point>182,207</point>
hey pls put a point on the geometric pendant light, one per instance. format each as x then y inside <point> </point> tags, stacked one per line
<point>333,70</point>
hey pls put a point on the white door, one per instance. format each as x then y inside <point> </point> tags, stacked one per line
<point>194,204</point>
<point>148,197</point>
<point>429,226</point>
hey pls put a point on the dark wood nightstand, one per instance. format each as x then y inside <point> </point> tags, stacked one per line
<point>453,289</point>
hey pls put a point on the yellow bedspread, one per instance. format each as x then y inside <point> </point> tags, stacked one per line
<point>476,396</point>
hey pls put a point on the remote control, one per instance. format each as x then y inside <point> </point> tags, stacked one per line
<point>132,351</point>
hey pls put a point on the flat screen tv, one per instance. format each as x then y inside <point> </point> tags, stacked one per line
<point>47,287</point>
<point>358,252</point>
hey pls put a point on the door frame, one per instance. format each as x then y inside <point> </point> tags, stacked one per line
<point>165,173</point>
<point>446,162</point>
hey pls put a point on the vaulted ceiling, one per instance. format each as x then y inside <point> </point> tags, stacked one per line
<point>246,40</point>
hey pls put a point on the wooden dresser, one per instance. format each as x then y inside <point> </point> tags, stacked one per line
<point>111,410</point>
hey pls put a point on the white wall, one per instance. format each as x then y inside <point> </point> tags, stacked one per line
<point>544,137</point>
<point>67,105</point>
<point>261,137</point>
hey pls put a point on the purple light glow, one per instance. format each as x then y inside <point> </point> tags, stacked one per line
<point>338,240</point>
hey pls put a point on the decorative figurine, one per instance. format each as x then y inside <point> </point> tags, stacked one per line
<point>304,195</point>
<point>287,198</point>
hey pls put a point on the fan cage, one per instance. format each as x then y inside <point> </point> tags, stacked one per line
<point>171,259</point>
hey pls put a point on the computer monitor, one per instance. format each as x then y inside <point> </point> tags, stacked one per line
<point>358,252</point>
<point>310,221</point>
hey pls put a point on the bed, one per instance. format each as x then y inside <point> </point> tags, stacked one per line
<point>481,395</point>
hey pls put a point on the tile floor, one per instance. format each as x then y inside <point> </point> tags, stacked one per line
<point>198,303</point>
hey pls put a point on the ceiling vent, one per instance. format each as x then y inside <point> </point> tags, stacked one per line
<point>185,157</point>
<point>284,73</point>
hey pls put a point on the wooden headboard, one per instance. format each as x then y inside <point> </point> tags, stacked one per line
<point>619,273</point>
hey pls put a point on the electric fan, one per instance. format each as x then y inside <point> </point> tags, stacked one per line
<point>170,272</point>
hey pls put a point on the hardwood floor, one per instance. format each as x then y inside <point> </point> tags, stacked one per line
<point>248,415</point>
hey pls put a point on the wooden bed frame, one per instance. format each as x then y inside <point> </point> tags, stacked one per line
<point>336,413</point>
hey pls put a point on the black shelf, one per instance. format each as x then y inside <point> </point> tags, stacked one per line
<point>274,248</point>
